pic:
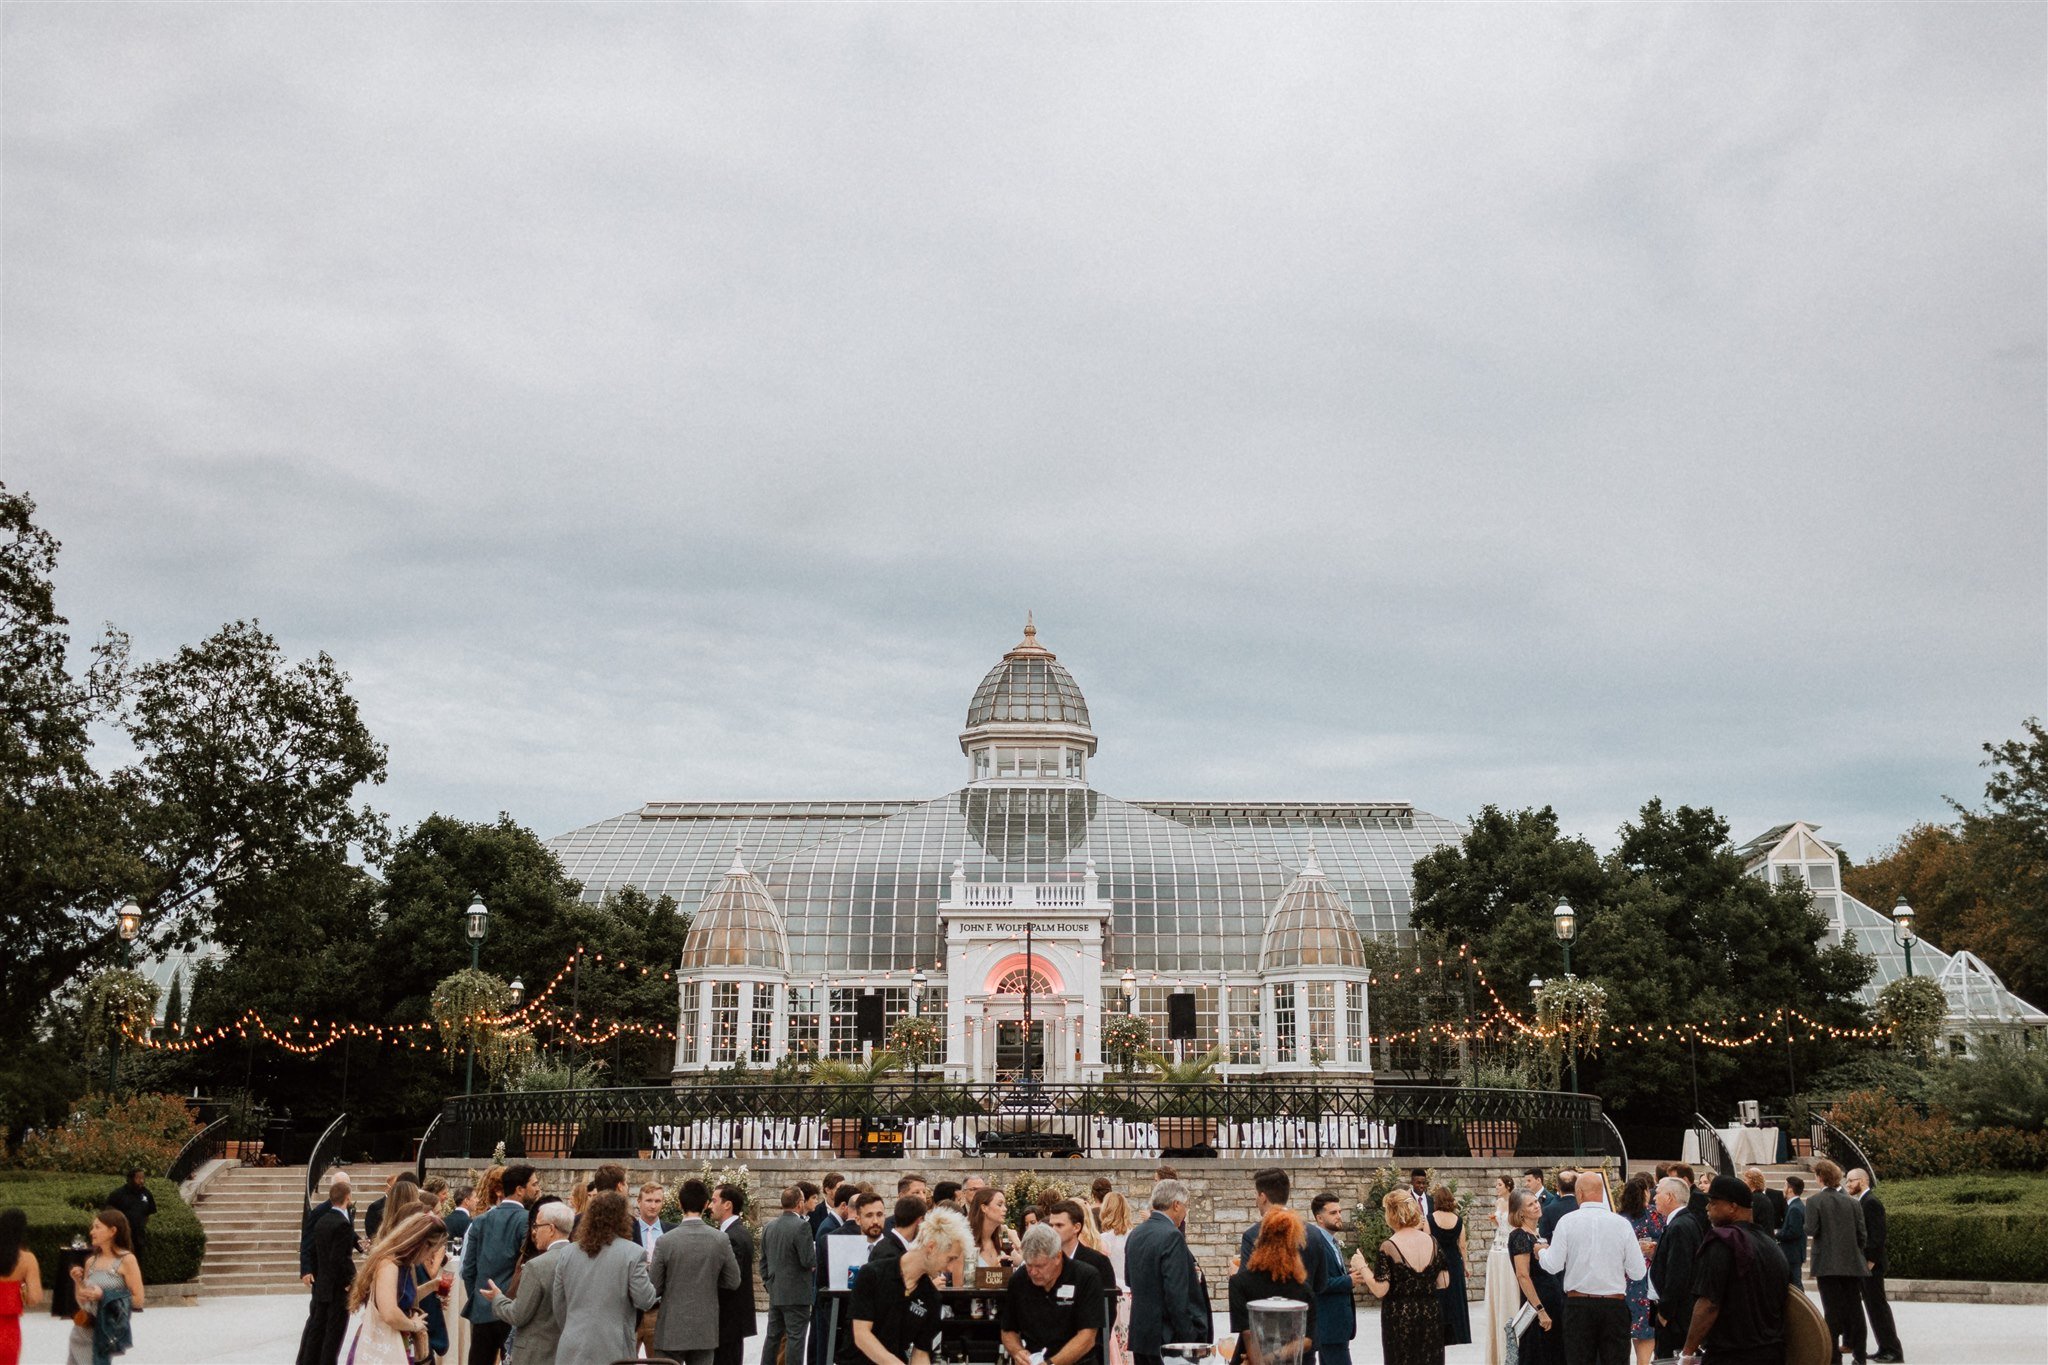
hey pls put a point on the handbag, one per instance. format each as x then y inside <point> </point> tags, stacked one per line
<point>82,1318</point>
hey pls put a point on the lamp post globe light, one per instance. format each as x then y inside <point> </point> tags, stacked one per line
<point>518,992</point>
<point>128,922</point>
<point>479,924</point>
<point>1903,932</point>
<point>1566,921</point>
<point>1130,980</point>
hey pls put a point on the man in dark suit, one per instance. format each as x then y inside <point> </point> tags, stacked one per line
<point>838,1222</point>
<point>1671,1268</point>
<point>135,1203</point>
<point>331,1239</point>
<point>1882,1326</point>
<point>694,1265</point>
<point>1169,1302</point>
<point>789,1260</point>
<point>822,1213</point>
<point>1336,1301</point>
<point>1792,1230</point>
<point>1567,1200</point>
<point>341,1183</point>
<point>1835,1244</point>
<point>735,1306</point>
<point>1763,1212</point>
<point>1270,1190</point>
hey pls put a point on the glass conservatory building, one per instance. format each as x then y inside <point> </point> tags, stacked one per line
<point>1026,881</point>
<point>1024,876</point>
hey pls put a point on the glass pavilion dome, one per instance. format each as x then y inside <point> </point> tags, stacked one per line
<point>737,925</point>
<point>1311,926</point>
<point>1029,684</point>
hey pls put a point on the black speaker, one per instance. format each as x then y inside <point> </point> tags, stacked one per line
<point>867,1019</point>
<point>1180,1016</point>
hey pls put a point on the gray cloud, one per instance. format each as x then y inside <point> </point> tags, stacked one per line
<point>1453,404</point>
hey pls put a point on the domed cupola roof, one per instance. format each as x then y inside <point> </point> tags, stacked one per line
<point>1029,686</point>
<point>737,925</point>
<point>1311,926</point>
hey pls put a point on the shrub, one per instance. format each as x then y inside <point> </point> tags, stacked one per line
<point>1973,1245</point>
<point>113,1135</point>
<point>2002,1083</point>
<point>1903,1143</point>
<point>1912,1009</point>
<point>61,1207</point>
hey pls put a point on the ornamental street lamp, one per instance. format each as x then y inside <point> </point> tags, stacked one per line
<point>128,920</point>
<point>1566,921</point>
<point>518,992</point>
<point>1130,980</point>
<point>479,925</point>
<point>917,982</point>
<point>1902,931</point>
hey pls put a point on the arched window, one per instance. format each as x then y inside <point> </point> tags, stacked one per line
<point>1013,982</point>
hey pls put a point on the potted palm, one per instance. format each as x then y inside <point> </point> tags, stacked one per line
<point>1187,1106</point>
<point>853,1086</point>
<point>1493,1137</point>
<point>556,1138</point>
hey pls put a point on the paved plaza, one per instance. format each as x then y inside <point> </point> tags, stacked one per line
<point>264,1330</point>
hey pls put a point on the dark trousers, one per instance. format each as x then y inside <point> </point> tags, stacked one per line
<point>1841,1303</point>
<point>1596,1332</point>
<point>786,1325</point>
<point>1333,1352</point>
<point>326,1323</point>
<point>1880,1309</point>
<point>487,1341</point>
<point>730,1352</point>
<point>1141,1359</point>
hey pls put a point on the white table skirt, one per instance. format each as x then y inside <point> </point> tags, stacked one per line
<point>1750,1146</point>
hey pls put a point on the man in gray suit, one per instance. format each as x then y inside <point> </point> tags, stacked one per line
<point>1835,1240</point>
<point>532,1314</point>
<point>789,1255</point>
<point>693,1263</point>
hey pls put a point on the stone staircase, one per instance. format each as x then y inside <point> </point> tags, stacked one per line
<point>252,1217</point>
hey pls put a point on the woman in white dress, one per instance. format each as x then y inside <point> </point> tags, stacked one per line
<point>1503,1295</point>
<point>1115,1219</point>
<point>383,1296</point>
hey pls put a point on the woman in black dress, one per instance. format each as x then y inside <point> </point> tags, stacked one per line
<point>1404,1277</point>
<point>1543,1339</point>
<point>1274,1271</point>
<point>1449,1230</point>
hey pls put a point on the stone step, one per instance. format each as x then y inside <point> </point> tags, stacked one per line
<point>237,1282</point>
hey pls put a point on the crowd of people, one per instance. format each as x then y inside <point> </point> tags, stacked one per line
<point>1670,1266</point>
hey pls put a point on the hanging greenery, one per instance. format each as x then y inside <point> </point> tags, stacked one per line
<point>916,1038</point>
<point>118,1002</point>
<point>1913,1010</point>
<point>465,1006</point>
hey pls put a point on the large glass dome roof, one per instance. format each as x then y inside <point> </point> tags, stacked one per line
<point>1028,684</point>
<point>1311,926</point>
<point>737,926</point>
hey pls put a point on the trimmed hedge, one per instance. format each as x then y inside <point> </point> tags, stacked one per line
<point>61,1206</point>
<point>1970,1227</point>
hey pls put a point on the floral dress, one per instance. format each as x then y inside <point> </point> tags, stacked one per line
<point>1649,1226</point>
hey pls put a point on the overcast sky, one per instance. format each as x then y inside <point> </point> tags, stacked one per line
<point>1457,405</point>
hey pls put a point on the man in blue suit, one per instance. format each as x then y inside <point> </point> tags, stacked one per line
<point>490,1252</point>
<point>1567,1201</point>
<point>1336,1310</point>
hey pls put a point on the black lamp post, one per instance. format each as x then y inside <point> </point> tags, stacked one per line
<point>917,984</point>
<point>479,925</point>
<point>1903,933</point>
<point>129,921</point>
<point>1566,921</point>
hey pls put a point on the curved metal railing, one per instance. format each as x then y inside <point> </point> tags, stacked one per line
<point>203,1147</point>
<point>1128,1118</point>
<point>426,1149</point>
<point>1712,1150</point>
<point>1840,1148</point>
<point>317,1162</point>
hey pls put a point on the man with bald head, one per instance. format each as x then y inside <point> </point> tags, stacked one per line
<point>1595,1253</point>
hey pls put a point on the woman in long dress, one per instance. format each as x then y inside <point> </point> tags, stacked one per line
<point>384,1295</point>
<point>1404,1277</point>
<point>1449,1230</point>
<point>601,1286</point>
<point>1503,1297</point>
<point>1115,1217</point>
<point>1642,1215</point>
<point>111,1266</point>
<point>21,1283</point>
<point>1542,1341</point>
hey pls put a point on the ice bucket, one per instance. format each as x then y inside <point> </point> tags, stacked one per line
<point>1279,1330</point>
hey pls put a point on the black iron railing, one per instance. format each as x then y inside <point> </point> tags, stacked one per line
<point>317,1162</point>
<point>1108,1119</point>
<point>204,1146</point>
<point>1838,1147</point>
<point>1712,1151</point>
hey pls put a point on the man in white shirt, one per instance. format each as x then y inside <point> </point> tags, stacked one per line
<point>1594,1252</point>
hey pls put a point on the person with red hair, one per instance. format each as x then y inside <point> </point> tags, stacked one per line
<point>1274,1270</point>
